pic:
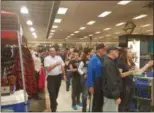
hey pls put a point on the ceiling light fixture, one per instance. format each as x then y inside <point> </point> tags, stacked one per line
<point>124,2</point>
<point>34,34</point>
<point>72,34</point>
<point>91,22</point>
<point>97,32</point>
<point>32,29</point>
<point>50,37</point>
<point>105,13</point>
<point>24,10</point>
<point>29,22</point>
<point>58,20</point>
<point>52,31</point>
<point>140,16</point>
<point>76,32</point>
<point>82,28</point>
<point>85,37</point>
<point>117,32</point>
<point>54,26</point>
<point>107,29</point>
<point>91,35</point>
<point>62,10</point>
<point>146,25</point>
<point>119,24</point>
<point>148,30</point>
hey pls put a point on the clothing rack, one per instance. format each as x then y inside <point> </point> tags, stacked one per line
<point>16,30</point>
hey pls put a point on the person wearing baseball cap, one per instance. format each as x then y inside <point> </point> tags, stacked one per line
<point>111,81</point>
<point>94,77</point>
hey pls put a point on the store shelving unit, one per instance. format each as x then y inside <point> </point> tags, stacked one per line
<point>11,35</point>
<point>139,99</point>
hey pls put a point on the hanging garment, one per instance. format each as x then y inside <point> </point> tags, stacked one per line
<point>42,78</point>
<point>29,73</point>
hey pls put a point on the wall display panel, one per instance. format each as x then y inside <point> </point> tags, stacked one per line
<point>134,45</point>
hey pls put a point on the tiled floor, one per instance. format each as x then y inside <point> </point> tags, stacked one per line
<point>64,101</point>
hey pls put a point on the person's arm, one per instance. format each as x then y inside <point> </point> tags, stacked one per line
<point>90,75</point>
<point>81,65</point>
<point>125,74</point>
<point>49,67</point>
<point>121,66</point>
<point>63,66</point>
<point>148,65</point>
<point>72,69</point>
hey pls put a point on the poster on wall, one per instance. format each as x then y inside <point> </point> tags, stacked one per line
<point>134,45</point>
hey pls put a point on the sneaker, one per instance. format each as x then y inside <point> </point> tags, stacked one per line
<point>74,108</point>
<point>80,105</point>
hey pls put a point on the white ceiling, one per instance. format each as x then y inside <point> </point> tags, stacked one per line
<point>78,15</point>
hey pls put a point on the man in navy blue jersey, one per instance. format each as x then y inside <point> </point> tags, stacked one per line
<point>95,72</point>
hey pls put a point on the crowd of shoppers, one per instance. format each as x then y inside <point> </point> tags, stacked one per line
<point>104,73</point>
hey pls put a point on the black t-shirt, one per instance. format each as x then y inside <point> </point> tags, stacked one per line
<point>67,66</point>
<point>75,64</point>
<point>126,80</point>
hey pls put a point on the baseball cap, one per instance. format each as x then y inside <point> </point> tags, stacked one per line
<point>100,46</point>
<point>113,48</point>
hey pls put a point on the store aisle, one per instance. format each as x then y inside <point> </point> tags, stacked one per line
<point>64,99</point>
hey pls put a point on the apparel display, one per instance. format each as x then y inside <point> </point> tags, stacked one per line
<point>10,36</point>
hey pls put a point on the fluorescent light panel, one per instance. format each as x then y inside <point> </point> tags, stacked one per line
<point>76,32</point>
<point>91,35</point>
<point>105,13</point>
<point>54,26</point>
<point>149,30</point>
<point>24,10</point>
<point>119,24</point>
<point>91,22</point>
<point>82,28</point>
<point>32,29</point>
<point>107,29</point>
<point>97,32</point>
<point>117,32</point>
<point>86,37</point>
<point>52,31</point>
<point>62,10</point>
<point>140,16</point>
<point>72,34</point>
<point>146,25</point>
<point>29,22</point>
<point>124,2</point>
<point>50,37</point>
<point>58,20</point>
<point>34,34</point>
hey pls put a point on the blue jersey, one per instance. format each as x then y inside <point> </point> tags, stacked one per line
<point>94,69</point>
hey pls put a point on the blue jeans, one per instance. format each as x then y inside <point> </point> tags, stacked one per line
<point>84,93</point>
<point>68,77</point>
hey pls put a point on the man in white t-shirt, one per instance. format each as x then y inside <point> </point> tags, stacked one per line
<point>55,68</point>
